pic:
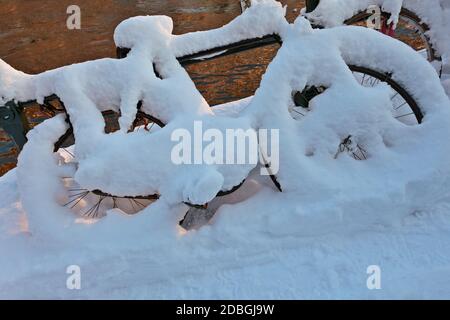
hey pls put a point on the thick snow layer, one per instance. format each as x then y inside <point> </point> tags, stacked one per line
<point>268,247</point>
<point>335,217</point>
<point>263,18</point>
<point>110,162</point>
<point>331,13</point>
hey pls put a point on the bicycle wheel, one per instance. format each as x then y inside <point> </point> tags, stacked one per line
<point>410,30</point>
<point>95,203</point>
<point>404,107</point>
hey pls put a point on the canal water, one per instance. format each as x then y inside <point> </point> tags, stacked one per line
<point>34,38</point>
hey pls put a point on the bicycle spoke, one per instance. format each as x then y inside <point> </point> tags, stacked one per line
<point>298,112</point>
<point>374,82</point>
<point>392,98</point>
<point>139,203</point>
<point>78,194</point>
<point>405,115</point>
<point>355,156</point>
<point>115,203</point>
<point>93,212</point>
<point>403,104</point>
<point>68,152</point>
<point>77,200</point>
<point>362,151</point>
<point>132,205</point>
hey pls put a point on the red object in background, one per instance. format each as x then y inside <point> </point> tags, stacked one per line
<point>387,29</point>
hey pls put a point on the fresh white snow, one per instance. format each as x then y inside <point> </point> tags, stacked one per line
<point>334,219</point>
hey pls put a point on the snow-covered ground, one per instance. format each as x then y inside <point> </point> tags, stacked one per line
<point>246,253</point>
<point>336,219</point>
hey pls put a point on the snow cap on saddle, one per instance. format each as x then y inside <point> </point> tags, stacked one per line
<point>143,31</point>
<point>303,26</point>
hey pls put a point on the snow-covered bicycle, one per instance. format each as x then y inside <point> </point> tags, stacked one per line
<point>334,98</point>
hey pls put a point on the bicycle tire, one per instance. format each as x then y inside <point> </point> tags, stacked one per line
<point>432,53</point>
<point>404,93</point>
<point>68,139</point>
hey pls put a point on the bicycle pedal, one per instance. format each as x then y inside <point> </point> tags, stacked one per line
<point>196,218</point>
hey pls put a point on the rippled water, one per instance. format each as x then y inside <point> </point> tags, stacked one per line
<point>34,38</point>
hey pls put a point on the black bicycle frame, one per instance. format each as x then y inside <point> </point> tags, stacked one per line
<point>218,52</point>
